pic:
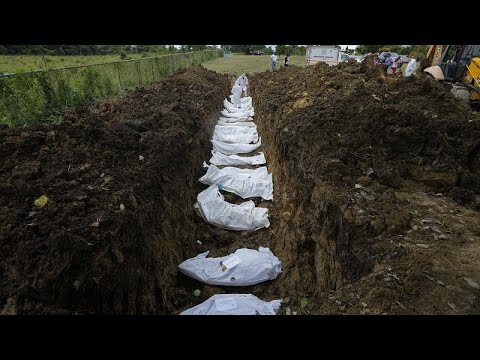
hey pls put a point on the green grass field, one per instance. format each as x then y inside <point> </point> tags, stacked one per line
<point>235,65</point>
<point>22,63</point>
<point>239,64</point>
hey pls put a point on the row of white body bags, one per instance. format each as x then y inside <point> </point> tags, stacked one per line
<point>245,267</point>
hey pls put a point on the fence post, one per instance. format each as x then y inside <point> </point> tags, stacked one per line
<point>138,72</point>
<point>117,66</point>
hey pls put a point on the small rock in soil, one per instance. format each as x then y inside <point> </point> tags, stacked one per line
<point>472,283</point>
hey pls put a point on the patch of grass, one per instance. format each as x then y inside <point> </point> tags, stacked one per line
<point>251,64</point>
<point>23,63</point>
<point>40,97</point>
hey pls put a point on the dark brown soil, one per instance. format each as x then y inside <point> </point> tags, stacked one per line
<point>415,152</point>
<point>81,253</point>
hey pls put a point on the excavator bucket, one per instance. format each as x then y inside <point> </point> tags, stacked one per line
<point>436,72</point>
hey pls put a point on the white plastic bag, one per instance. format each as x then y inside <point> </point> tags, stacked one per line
<point>229,149</point>
<point>234,304</point>
<point>231,108</point>
<point>246,183</point>
<point>235,160</point>
<point>240,114</point>
<point>244,267</point>
<point>229,129</point>
<point>216,211</point>
<point>235,138</point>
<point>244,121</point>
<point>247,100</point>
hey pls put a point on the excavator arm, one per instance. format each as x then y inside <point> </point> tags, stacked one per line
<point>435,54</point>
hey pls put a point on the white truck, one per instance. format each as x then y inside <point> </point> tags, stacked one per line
<point>324,53</point>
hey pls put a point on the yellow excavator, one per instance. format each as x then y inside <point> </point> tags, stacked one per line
<point>458,64</point>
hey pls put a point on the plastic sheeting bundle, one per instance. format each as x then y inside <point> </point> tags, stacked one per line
<point>246,183</point>
<point>250,126</point>
<point>235,304</point>
<point>229,149</point>
<point>246,100</point>
<point>216,211</point>
<point>222,159</point>
<point>240,114</point>
<point>228,129</point>
<point>235,135</point>
<point>243,121</point>
<point>232,109</point>
<point>244,267</point>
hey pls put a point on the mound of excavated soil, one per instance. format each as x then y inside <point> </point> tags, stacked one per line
<point>81,252</point>
<point>377,182</point>
<point>403,128</point>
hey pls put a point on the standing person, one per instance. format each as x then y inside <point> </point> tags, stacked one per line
<point>237,95</point>
<point>274,58</point>
<point>394,66</point>
<point>388,62</point>
<point>287,59</point>
<point>243,82</point>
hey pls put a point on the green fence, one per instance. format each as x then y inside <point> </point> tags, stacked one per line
<point>40,96</point>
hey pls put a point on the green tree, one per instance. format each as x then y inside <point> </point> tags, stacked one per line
<point>281,49</point>
<point>365,49</point>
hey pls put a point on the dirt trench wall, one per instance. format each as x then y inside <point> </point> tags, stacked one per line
<point>81,253</point>
<point>321,244</point>
<point>345,144</point>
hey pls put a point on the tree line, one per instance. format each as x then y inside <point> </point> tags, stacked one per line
<point>62,50</point>
<point>417,51</point>
<point>280,49</point>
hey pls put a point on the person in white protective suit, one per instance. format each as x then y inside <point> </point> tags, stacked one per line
<point>237,95</point>
<point>243,82</point>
